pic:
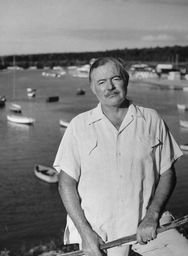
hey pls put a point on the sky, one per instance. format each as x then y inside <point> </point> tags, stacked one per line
<point>52,26</point>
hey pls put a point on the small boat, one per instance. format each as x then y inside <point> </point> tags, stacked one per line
<point>46,173</point>
<point>184,123</point>
<point>63,123</point>
<point>2,101</point>
<point>15,108</point>
<point>80,91</point>
<point>52,99</point>
<point>184,147</point>
<point>182,107</point>
<point>30,89</point>
<point>20,119</point>
<point>31,93</point>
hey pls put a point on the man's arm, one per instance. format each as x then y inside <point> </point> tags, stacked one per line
<point>69,195</point>
<point>147,228</point>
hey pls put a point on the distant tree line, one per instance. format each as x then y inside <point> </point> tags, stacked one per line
<point>174,55</point>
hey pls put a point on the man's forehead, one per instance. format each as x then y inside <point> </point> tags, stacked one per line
<point>107,68</point>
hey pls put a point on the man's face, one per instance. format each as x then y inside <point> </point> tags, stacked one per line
<point>108,85</point>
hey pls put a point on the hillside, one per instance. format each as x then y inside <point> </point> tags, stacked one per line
<point>176,55</point>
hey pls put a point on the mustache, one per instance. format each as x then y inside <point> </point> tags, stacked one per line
<point>108,94</point>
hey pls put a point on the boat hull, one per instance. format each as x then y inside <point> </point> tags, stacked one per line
<point>184,124</point>
<point>184,147</point>
<point>46,173</point>
<point>63,123</point>
<point>15,108</point>
<point>20,119</point>
<point>182,107</point>
<point>52,99</point>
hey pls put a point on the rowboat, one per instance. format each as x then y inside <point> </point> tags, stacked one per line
<point>31,93</point>
<point>80,91</point>
<point>184,123</point>
<point>15,108</point>
<point>20,119</point>
<point>182,107</point>
<point>46,173</point>
<point>52,99</point>
<point>2,101</point>
<point>63,123</point>
<point>184,147</point>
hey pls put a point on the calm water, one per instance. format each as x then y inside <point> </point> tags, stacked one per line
<point>31,210</point>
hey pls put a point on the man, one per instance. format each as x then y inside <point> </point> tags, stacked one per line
<point>116,165</point>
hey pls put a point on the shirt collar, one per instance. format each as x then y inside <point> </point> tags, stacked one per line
<point>97,114</point>
<point>135,111</point>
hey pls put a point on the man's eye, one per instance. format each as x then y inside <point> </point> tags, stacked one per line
<point>100,82</point>
<point>117,78</point>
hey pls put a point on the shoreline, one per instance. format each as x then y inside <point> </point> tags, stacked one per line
<point>164,83</point>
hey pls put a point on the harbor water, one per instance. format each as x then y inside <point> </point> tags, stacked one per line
<point>31,211</point>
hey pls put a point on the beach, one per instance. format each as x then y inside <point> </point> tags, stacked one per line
<point>31,210</point>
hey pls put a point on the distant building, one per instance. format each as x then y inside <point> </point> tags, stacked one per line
<point>164,68</point>
<point>14,68</point>
<point>32,67</point>
<point>174,75</point>
<point>141,71</point>
<point>168,71</point>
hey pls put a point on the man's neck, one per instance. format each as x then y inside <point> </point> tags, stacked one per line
<point>116,114</point>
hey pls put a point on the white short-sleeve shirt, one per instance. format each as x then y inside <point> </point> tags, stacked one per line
<point>117,170</point>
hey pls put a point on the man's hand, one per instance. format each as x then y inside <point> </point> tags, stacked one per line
<point>91,244</point>
<point>147,229</point>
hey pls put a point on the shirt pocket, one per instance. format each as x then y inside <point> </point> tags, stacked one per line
<point>145,146</point>
<point>91,146</point>
<point>87,146</point>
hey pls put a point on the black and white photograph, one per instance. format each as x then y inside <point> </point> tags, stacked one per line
<point>93,127</point>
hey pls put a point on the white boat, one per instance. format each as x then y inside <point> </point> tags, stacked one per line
<point>15,108</point>
<point>46,173</point>
<point>82,71</point>
<point>30,89</point>
<point>63,123</point>
<point>31,93</point>
<point>182,107</point>
<point>20,119</point>
<point>184,147</point>
<point>184,123</point>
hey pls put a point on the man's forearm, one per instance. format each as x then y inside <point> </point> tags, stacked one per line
<point>163,192</point>
<point>148,226</point>
<point>71,201</point>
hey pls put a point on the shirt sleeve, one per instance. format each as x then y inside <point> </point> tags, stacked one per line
<point>67,158</point>
<point>169,149</point>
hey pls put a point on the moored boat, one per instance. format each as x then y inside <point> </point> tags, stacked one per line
<point>20,119</point>
<point>2,101</point>
<point>31,93</point>
<point>184,147</point>
<point>182,107</point>
<point>52,99</point>
<point>63,123</point>
<point>80,91</point>
<point>184,123</point>
<point>15,108</point>
<point>46,173</point>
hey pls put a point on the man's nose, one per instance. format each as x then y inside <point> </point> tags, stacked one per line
<point>110,84</point>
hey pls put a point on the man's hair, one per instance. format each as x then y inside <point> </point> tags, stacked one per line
<point>118,62</point>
